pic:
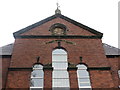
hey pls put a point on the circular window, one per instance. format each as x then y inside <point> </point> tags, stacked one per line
<point>58,29</point>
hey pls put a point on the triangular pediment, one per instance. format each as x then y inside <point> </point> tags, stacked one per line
<point>41,28</point>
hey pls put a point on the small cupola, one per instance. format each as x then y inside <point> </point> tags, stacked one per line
<point>57,11</point>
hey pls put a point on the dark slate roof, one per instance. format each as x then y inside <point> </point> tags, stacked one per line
<point>6,50</point>
<point>109,50</point>
<point>17,34</point>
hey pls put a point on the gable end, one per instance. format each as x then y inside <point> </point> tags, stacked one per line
<point>17,34</point>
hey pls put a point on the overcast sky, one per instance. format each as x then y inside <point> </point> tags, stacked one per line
<point>101,15</point>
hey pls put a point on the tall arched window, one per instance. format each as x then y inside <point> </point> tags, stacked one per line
<point>60,76</point>
<point>83,77</point>
<point>37,77</point>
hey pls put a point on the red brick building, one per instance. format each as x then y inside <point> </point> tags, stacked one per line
<point>59,52</point>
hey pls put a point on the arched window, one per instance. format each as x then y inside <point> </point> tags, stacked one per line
<point>60,76</point>
<point>119,73</point>
<point>83,77</point>
<point>37,77</point>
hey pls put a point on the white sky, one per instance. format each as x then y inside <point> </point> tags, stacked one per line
<point>101,15</point>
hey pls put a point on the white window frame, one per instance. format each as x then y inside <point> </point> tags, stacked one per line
<point>41,87</point>
<point>119,73</point>
<point>64,53</point>
<point>83,77</point>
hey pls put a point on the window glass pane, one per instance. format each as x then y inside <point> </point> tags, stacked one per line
<point>59,51</point>
<point>80,66</point>
<point>84,84</point>
<point>84,80</point>
<point>82,73</point>
<point>35,82</point>
<point>60,82</point>
<point>60,74</point>
<point>37,73</point>
<point>59,55</point>
<point>61,88</point>
<point>38,66</point>
<point>59,65</point>
<point>37,77</point>
<point>83,77</point>
<point>59,58</point>
<point>119,73</point>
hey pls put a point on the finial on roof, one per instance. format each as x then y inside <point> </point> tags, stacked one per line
<point>57,11</point>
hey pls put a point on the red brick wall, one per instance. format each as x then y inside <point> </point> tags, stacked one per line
<point>119,67</point>
<point>73,79</point>
<point>48,80</point>
<point>26,50</point>
<point>18,79</point>
<point>44,28</point>
<point>101,79</point>
<point>114,64</point>
<point>119,62</point>
<point>4,64</point>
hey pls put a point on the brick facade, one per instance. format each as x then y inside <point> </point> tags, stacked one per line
<point>26,50</point>
<point>4,64</point>
<point>114,64</point>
